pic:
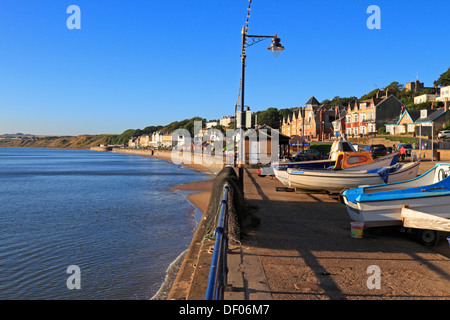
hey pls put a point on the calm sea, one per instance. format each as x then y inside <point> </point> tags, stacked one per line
<point>110,214</point>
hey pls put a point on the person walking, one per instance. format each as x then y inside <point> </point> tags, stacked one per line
<point>402,153</point>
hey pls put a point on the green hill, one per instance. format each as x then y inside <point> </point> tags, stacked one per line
<point>78,142</point>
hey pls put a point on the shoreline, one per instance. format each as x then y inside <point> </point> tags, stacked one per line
<point>179,272</point>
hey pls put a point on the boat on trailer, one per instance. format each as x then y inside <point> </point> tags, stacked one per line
<point>390,204</point>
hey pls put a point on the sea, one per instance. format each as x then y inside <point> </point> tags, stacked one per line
<point>87,225</point>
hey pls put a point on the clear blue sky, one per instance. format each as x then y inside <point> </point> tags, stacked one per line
<point>138,63</point>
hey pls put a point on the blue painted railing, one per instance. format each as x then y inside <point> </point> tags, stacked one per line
<point>217,279</point>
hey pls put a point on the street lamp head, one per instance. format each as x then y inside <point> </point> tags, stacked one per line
<point>275,46</point>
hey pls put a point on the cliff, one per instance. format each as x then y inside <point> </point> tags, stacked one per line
<point>78,142</point>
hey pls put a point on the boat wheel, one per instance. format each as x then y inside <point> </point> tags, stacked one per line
<point>427,237</point>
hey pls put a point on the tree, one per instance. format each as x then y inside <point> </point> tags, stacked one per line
<point>269,117</point>
<point>444,79</point>
<point>150,129</point>
<point>394,86</point>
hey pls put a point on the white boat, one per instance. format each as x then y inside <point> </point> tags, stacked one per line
<point>381,205</point>
<point>334,181</point>
<point>357,160</point>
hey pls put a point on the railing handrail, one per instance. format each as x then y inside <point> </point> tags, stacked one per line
<point>218,271</point>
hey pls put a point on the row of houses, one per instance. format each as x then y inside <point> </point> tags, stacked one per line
<point>159,139</point>
<point>316,122</point>
<point>164,139</point>
<point>419,122</point>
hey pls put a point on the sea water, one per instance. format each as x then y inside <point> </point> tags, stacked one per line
<point>110,214</point>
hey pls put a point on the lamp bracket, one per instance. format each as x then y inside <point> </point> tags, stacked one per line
<point>256,39</point>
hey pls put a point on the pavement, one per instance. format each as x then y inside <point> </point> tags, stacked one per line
<point>302,250</point>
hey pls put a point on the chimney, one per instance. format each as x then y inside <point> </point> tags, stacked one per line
<point>432,105</point>
<point>378,93</point>
<point>387,92</point>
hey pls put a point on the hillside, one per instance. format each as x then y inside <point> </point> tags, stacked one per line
<point>78,142</point>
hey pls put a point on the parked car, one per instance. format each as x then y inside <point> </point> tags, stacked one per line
<point>389,149</point>
<point>376,150</point>
<point>408,149</point>
<point>305,155</point>
<point>444,134</point>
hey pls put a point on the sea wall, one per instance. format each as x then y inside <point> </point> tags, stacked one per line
<point>192,278</point>
<point>192,160</point>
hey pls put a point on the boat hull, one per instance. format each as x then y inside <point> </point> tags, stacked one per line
<point>388,213</point>
<point>381,205</point>
<point>336,181</point>
<point>280,169</point>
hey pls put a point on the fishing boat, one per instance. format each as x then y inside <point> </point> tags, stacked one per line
<point>382,205</point>
<point>357,160</point>
<point>334,181</point>
<point>340,145</point>
<point>349,158</point>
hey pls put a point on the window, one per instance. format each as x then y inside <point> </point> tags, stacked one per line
<point>355,117</point>
<point>362,117</point>
<point>356,159</point>
<point>423,113</point>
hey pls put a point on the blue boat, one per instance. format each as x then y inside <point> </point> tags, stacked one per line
<point>381,205</point>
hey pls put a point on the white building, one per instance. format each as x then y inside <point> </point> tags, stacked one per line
<point>212,123</point>
<point>161,139</point>
<point>226,121</point>
<point>425,98</point>
<point>445,94</point>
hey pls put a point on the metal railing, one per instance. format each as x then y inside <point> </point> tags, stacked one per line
<point>217,279</point>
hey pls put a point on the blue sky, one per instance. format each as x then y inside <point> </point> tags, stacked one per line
<point>138,63</point>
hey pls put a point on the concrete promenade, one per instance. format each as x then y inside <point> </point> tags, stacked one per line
<point>302,249</point>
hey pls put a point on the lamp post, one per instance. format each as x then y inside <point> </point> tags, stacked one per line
<point>276,48</point>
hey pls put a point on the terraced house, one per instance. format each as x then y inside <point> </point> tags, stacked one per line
<point>365,117</point>
<point>313,122</point>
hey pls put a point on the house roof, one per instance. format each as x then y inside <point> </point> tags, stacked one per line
<point>414,114</point>
<point>283,139</point>
<point>433,116</point>
<point>313,101</point>
<point>393,121</point>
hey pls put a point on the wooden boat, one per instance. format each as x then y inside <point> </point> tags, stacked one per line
<point>334,181</point>
<point>357,160</point>
<point>381,205</point>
